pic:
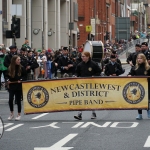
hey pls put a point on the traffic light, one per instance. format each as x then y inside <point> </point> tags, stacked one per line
<point>15,27</point>
<point>9,34</point>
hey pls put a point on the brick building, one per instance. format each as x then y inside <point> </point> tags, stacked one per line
<point>104,12</point>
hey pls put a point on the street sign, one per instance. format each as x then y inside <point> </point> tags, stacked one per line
<point>93,26</point>
<point>16,9</point>
<point>88,28</point>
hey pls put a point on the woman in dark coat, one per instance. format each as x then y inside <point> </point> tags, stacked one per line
<point>141,68</point>
<point>16,74</point>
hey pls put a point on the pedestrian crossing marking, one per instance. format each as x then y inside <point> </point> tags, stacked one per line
<point>147,144</point>
<point>14,127</point>
<point>39,116</point>
<point>7,124</point>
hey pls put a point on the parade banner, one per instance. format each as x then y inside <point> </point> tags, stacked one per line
<point>85,94</point>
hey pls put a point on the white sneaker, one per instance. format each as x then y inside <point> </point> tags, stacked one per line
<point>18,118</point>
<point>11,117</point>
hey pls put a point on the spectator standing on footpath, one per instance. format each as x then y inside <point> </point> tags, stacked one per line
<point>8,57</point>
<point>3,69</point>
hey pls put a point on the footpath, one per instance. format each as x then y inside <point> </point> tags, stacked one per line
<point>124,55</point>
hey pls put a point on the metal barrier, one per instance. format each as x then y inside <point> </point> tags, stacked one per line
<point>130,45</point>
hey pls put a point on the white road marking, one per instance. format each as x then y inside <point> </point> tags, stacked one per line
<point>7,124</point>
<point>50,125</point>
<point>59,144</point>
<point>147,144</point>
<point>39,116</point>
<point>95,124</point>
<point>14,127</point>
<point>77,124</point>
<point>131,124</point>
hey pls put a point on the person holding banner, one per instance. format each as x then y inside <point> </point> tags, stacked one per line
<point>87,68</point>
<point>16,74</point>
<point>141,68</point>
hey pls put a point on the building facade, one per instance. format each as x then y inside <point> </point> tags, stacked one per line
<point>45,23</point>
<point>100,15</point>
<point>138,17</point>
<point>147,13</point>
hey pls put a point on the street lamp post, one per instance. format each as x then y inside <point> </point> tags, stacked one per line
<point>95,18</point>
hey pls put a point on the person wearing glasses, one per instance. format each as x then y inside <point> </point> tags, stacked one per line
<point>87,68</point>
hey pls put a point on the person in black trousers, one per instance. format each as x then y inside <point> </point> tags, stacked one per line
<point>141,68</point>
<point>16,74</point>
<point>87,68</point>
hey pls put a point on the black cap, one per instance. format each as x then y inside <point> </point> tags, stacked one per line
<point>12,46</point>
<point>29,51</point>
<point>145,43</point>
<point>65,48</point>
<point>137,45</point>
<point>23,49</point>
<point>113,52</point>
<point>112,56</point>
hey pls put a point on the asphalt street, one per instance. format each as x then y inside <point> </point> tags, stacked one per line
<point>112,130</point>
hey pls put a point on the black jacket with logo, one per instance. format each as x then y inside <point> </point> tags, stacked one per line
<point>140,71</point>
<point>88,69</point>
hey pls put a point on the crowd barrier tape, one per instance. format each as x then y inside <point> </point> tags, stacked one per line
<point>95,93</point>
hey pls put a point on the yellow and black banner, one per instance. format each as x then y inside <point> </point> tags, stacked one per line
<point>85,94</point>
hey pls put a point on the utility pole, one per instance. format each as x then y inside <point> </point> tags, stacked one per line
<point>95,20</point>
<point>138,17</point>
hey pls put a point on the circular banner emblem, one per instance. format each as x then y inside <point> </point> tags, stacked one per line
<point>133,93</point>
<point>1,127</point>
<point>38,96</point>
<point>90,69</point>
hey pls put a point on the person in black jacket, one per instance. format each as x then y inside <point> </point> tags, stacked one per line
<point>141,68</point>
<point>16,74</point>
<point>31,65</point>
<point>113,68</point>
<point>87,68</point>
<point>65,64</point>
<point>132,57</point>
<point>24,58</point>
<point>146,51</point>
<point>107,60</point>
<point>8,57</point>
